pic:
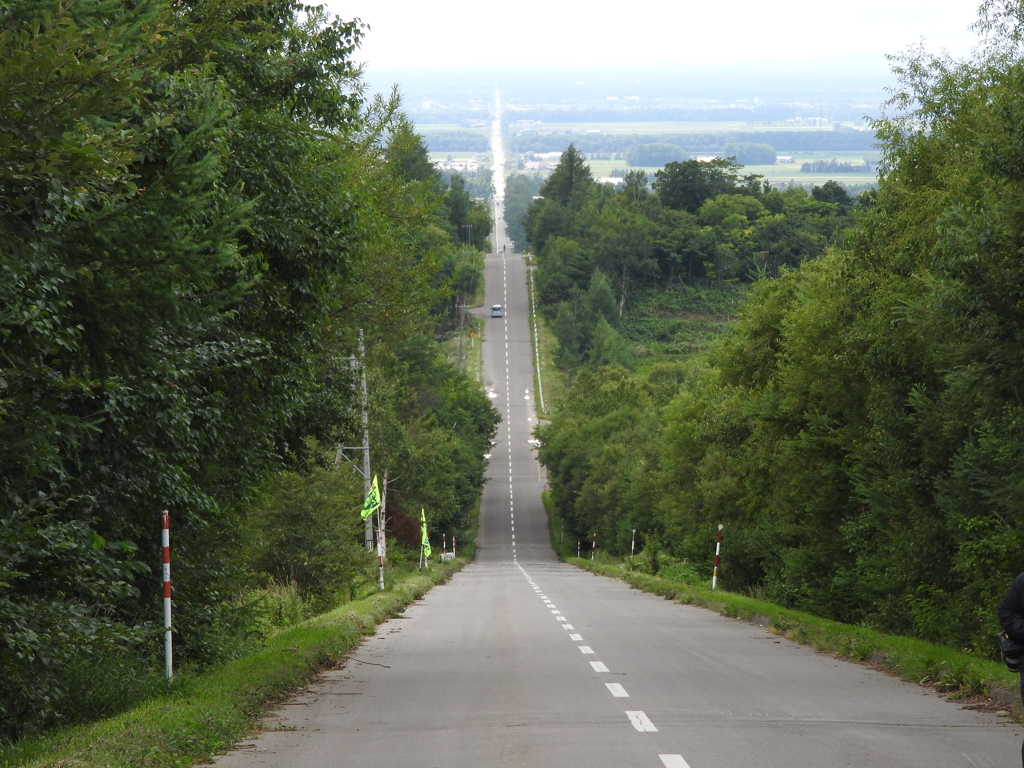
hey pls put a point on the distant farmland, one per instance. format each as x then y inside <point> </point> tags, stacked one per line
<point>604,144</point>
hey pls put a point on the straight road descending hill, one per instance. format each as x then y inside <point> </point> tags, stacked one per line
<point>522,661</point>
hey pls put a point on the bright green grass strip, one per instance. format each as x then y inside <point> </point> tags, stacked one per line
<point>957,674</point>
<point>548,381</point>
<point>209,713</point>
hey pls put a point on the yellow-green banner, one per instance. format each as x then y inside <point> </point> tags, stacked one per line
<point>372,502</point>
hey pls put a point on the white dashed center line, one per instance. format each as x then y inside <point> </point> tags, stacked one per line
<point>637,718</point>
<point>640,721</point>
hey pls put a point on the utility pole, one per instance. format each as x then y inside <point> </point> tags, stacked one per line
<point>460,308</point>
<point>366,437</point>
<point>365,447</point>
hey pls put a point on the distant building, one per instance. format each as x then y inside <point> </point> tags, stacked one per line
<point>783,159</point>
<point>816,121</point>
<point>465,166</point>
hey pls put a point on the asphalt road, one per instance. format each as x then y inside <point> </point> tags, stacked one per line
<point>522,661</point>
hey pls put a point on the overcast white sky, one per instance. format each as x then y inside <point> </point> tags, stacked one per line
<point>445,33</point>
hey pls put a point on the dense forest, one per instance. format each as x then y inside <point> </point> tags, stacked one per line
<point>200,211</point>
<point>857,428</point>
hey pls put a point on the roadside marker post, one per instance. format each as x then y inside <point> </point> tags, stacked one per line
<point>165,542</point>
<point>718,549</point>
<point>593,547</point>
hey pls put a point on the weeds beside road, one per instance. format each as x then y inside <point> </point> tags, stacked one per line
<point>958,675</point>
<point>208,713</point>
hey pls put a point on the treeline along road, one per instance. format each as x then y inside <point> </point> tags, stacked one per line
<point>523,661</point>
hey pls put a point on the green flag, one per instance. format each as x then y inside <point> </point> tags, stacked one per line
<point>372,503</point>
<point>423,527</point>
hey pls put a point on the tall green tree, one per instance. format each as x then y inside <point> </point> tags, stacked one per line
<point>685,185</point>
<point>562,196</point>
<point>198,211</point>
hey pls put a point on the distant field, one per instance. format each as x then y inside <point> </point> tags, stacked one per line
<point>777,174</point>
<point>451,127</point>
<point>650,127</point>
<point>708,126</point>
<point>481,156</point>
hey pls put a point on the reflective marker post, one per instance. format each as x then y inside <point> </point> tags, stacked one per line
<point>165,541</point>
<point>718,549</point>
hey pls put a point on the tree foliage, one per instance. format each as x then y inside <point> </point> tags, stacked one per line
<point>857,431</point>
<point>654,155</point>
<point>750,153</point>
<point>199,208</point>
<point>731,229</point>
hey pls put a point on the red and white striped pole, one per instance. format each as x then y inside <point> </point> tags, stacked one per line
<point>718,549</point>
<point>165,541</point>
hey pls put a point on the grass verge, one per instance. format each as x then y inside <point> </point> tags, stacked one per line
<point>206,714</point>
<point>958,675</point>
<point>547,379</point>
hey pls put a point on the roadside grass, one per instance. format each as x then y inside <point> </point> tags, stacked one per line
<point>205,714</point>
<point>547,377</point>
<point>956,674</point>
<point>467,354</point>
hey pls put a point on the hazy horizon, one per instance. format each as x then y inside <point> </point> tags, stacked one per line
<point>406,35</point>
